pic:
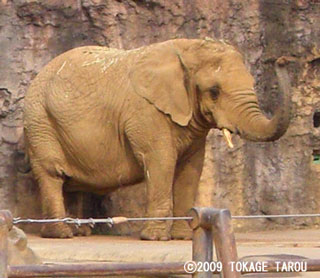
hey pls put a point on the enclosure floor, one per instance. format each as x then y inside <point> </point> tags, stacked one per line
<point>267,245</point>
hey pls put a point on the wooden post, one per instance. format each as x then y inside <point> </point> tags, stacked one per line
<point>5,219</point>
<point>202,248</point>
<point>210,224</point>
<point>225,243</point>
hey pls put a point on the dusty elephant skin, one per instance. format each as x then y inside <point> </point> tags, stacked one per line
<point>97,118</point>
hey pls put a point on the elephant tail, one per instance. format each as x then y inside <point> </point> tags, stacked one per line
<point>22,159</point>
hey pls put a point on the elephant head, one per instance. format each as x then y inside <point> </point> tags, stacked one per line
<point>206,82</point>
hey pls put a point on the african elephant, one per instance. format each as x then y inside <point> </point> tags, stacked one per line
<point>96,118</point>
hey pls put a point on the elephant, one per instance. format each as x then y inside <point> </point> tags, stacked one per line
<point>97,118</point>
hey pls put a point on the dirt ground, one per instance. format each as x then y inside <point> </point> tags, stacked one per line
<point>288,244</point>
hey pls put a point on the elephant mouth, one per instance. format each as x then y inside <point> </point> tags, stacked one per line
<point>226,131</point>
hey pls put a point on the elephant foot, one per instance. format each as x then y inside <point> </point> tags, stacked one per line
<point>81,231</point>
<point>156,231</point>
<point>181,230</point>
<point>56,230</point>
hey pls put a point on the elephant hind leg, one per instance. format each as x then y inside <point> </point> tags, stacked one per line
<point>75,207</point>
<point>51,193</point>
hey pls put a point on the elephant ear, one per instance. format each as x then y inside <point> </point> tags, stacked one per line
<point>160,77</point>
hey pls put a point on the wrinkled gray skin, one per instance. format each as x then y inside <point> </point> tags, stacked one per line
<point>97,118</point>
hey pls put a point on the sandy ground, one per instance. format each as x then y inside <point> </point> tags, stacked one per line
<point>265,245</point>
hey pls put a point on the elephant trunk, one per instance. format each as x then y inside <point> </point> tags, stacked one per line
<point>255,126</point>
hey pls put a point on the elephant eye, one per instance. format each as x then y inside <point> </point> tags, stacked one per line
<point>214,92</point>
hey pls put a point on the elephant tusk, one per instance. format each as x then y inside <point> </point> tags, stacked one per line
<point>227,136</point>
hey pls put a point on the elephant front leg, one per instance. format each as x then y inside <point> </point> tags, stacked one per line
<point>159,177</point>
<point>185,189</point>
<point>53,207</point>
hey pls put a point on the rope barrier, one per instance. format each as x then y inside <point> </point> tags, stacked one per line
<point>275,216</point>
<point>68,220</point>
<point>91,221</point>
<point>117,220</point>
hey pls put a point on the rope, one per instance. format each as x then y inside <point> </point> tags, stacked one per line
<point>109,221</point>
<point>117,220</point>
<point>160,218</point>
<point>75,221</point>
<point>275,216</point>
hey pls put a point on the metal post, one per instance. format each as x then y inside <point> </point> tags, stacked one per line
<point>202,249</point>
<point>225,243</point>
<point>5,224</point>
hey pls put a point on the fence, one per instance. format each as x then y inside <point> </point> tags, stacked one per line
<point>208,225</point>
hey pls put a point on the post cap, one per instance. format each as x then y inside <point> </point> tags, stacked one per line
<point>202,217</point>
<point>6,218</point>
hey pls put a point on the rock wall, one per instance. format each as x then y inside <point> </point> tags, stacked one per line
<point>253,178</point>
